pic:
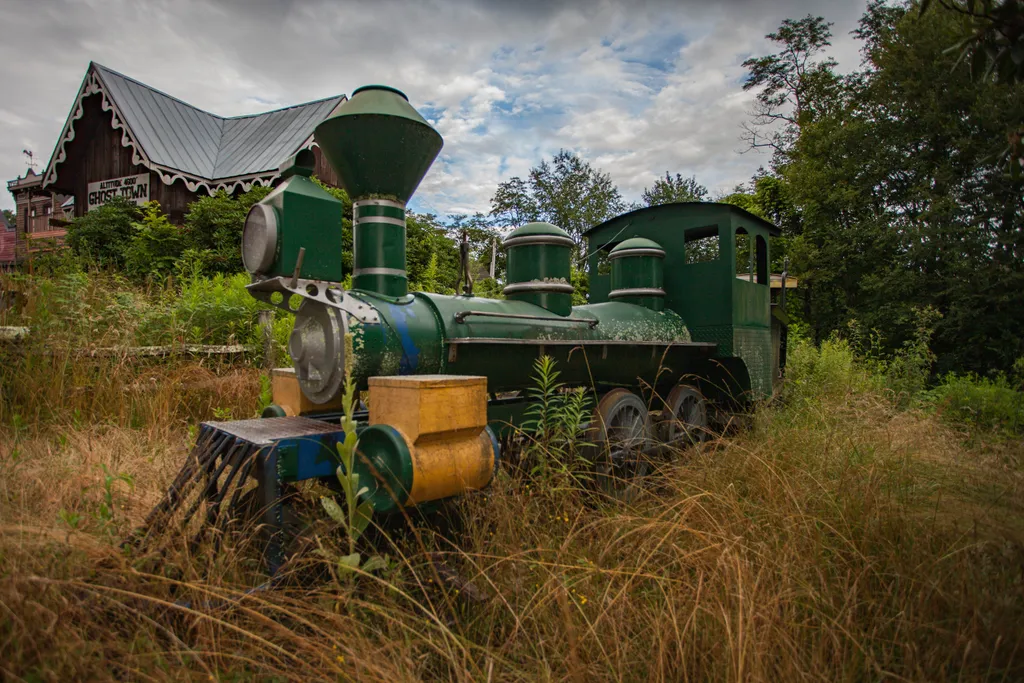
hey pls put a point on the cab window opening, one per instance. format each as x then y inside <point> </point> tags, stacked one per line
<point>744,256</point>
<point>761,257</point>
<point>702,244</point>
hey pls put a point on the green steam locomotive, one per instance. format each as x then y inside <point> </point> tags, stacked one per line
<point>679,331</point>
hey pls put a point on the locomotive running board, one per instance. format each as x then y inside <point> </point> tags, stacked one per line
<point>703,349</point>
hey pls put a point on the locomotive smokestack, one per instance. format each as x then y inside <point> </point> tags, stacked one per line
<point>381,148</point>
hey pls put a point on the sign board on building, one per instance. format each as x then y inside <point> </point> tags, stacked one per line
<point>134,188</point>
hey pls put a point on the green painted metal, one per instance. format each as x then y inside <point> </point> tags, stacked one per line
<point>379,247</point>
<point>384,465</point>
<point>420,334</point>
<point>717,306</point>
<point>379,145</point>
<point>538,271</point>
<point>308,217</point>
<point>381,148</point>
<point>638,273</point>
<point>301,163</point>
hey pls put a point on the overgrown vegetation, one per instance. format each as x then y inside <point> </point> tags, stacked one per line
<point>893,193</point>
<point>839,537</point>
<point>142,244</point>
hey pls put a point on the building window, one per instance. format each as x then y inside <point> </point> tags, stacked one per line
<point>33,213</point>
<point>46,211</point>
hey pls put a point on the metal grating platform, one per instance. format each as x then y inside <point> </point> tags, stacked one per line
<point>267,430</point>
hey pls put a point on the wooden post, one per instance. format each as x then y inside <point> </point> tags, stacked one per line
<point>266,319</point>
<point>494,254</point>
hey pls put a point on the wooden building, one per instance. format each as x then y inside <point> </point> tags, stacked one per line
<point>40,219</point>
<point>123,137</point>
<point>7,242</point>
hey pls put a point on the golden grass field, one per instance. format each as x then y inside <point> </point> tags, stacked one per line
<point>835,539</point>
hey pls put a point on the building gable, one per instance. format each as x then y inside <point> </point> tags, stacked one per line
<point>177,141</point>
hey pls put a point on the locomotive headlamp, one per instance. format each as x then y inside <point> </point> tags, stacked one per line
<point>259,239</point>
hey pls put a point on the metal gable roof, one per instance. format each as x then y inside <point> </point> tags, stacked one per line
<point>173,136</point>
<point>172,133</point>
<point>250,144</point>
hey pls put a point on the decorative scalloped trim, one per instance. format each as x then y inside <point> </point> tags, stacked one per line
<point>93,85</point>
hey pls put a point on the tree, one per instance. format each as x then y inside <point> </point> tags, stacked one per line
<point>431,256</point>
<point>993,44</point>
<point>793,86</point>
<point>671,189</point>
<point>567,191</point>
<point>10,216</point>
<point>513,204</point>
<point>902,204</point>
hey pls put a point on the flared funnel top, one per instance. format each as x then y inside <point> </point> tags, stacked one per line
<point>379,145</point>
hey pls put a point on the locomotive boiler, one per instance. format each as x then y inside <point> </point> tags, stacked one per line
<point>676,334</point>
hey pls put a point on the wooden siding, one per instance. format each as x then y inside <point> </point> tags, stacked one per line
<point>8,237</point>
<point>323,170</point>
<point>96,154</point>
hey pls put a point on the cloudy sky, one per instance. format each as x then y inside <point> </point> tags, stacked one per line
<point>638,88</point>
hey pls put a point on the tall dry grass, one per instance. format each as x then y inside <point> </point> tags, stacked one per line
<point>836,539</point>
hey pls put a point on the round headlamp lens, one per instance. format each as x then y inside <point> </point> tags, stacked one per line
<point>259,238</point>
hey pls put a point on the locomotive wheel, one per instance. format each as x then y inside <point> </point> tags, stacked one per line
<point>621,432</point>
<point>685,417</point>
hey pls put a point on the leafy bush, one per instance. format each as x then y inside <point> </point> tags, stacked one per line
<point>156,246</point>
<point>57,263</point>
<point>488,288</point>
<point>829,371</point>
<point>907,371</point>
<point>88,310</point>
<point>213,227</point>
<point>990,404</point>
<point>104,235</point>
<point>552,423</point>
<point>143,242</point>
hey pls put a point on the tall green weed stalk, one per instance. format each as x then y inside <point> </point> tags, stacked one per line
<point>553,423</point>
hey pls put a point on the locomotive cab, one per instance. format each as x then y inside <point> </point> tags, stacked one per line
<point>716,276</point>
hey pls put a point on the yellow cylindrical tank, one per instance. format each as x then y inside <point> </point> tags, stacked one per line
<point>427,440</point>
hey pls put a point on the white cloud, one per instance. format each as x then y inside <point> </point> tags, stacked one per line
<point>638,88</point>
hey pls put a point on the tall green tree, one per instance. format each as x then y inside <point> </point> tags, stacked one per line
<point>566,191</point>
<point>793,85</point>
<point>902,204</point>
<point>514,204</point>
<point>992,42</point>
<point>672,189</point>
<point>432,256</point>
